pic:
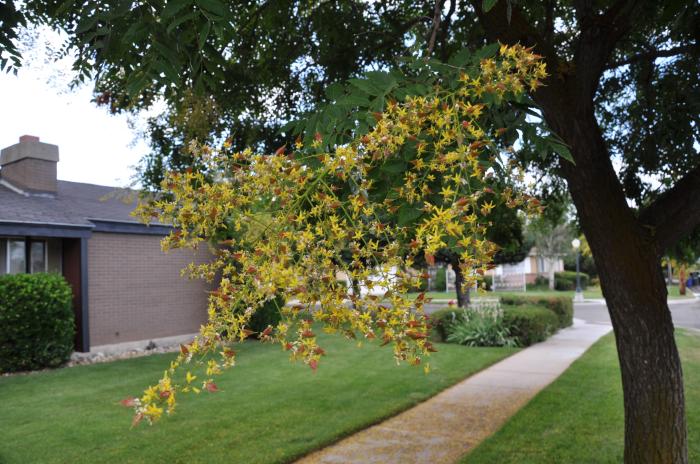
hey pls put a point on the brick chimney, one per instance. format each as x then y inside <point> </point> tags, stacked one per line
<point>30,165</point>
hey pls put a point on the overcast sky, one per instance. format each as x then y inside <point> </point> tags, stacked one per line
<point>94,146</point>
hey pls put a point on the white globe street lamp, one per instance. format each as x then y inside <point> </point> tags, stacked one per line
<point>576,243</point>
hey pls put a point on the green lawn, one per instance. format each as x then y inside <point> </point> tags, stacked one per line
<point>579,418</point>
<point>269,410</point>
<point>590,293</point>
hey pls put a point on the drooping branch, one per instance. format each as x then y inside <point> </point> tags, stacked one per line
<point>652,55</point>
<point>676,212</point>
<point>520,30</point>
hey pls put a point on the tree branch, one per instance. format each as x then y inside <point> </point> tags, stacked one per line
<point>548,31</point>
<point>436,26</point>
<point>598,37</point>
<point>652,55</point>
<point>446,23</point>
<point>676,212</point>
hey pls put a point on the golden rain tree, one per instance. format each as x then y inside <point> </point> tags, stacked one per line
<point>286,224</point>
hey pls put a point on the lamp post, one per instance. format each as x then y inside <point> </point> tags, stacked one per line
<point>576,243</point>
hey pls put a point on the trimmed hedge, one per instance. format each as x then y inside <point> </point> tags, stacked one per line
<point>566,280</point>
<point>562,307</point>
<point>529,324</point>
<point>36,321</point>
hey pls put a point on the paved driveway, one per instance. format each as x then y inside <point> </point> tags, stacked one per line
<point>686,313</point>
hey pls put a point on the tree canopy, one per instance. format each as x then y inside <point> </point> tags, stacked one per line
<point>621,103</point>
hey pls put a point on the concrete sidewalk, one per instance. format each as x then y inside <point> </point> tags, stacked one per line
<point>447,426</point>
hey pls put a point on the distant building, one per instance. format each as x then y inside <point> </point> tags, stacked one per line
<point>516,275</point>
<point>124,288</point>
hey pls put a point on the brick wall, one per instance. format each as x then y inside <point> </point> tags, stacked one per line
<point>31,174</point>
<point>135,291</point>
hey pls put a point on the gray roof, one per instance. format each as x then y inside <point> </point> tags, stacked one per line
<point>74,204</point>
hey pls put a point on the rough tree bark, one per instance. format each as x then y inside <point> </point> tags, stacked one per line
<point>627,248</point>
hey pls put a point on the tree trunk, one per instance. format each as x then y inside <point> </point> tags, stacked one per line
<point>626,250</point>
<point>669,271</point>
<point>652,380</point>
<point>681,279</point>
<point>550,271</point>
<point>635,291</point>
<point>463,298</point>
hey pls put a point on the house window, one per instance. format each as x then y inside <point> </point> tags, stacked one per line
<point>16,257</point>
<point>37,256</point>
<point>24,256</point>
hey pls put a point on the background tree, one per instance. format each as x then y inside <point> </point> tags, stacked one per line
<point>624,84</point>
<point>553,242</point>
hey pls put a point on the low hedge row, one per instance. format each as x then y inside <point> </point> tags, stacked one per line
<point>566,280</point>
<point>36,321</point>
<point>530,324</point>
<point>529,319</point>
<point>562,306</point>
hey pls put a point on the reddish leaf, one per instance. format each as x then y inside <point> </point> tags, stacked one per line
<point>416,335</point>
<point>211,387</point>
<point>129,402</point>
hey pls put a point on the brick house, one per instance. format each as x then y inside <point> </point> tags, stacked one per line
<point>124,288</point>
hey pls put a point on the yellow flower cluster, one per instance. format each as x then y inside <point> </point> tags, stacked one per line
<point>314,227</point>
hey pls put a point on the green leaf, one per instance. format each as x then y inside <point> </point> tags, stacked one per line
<point>563,151</point>
<point>179,20</point>
<point>173,7</point>
<point>86,23</point>
<point>136,83</point>
<point>408,214</point>
<point>366,86</point>
<point>382,81</point>
<point>335,91</point>
<point>203,34</point>
<point>486,5</point>
<point>354,100</point>
<point>213,6</point>
<point>394,166</point>
<point>487,51</point>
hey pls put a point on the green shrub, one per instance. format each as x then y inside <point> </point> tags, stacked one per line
<point>561,306</point>
<point>440,320</point>
<point>566,280</point>
<point>267,314</point>
<point>564,285</point>
<point>529,324</point>
<point>36,321</point>
<point>440,282</point>
<point>484,327</point>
